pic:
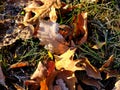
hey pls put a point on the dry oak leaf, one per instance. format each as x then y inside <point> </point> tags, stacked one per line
<point>48,7</point>
<point>80,27</point>
<point>49,36</point>
<point>66,61</point>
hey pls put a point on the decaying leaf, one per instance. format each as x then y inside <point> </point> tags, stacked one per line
<point>90,69</point>
<point>83,76</point>
<point>80,27</point>
<point>2,77</point>
<point>19,65</point>
<point>49,36</point>
<point>66,61</point>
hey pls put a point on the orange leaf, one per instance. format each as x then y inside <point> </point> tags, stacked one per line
<point>43,85</point>
<point>19,65</point>
<point>80,27</point>
<point>50,67</point>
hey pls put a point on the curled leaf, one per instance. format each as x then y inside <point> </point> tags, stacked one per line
<point>80,27</point>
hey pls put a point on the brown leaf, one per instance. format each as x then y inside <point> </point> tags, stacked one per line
<point>80,27</point>
<point>66,61</point>
<point>90,69</point>
<point>32,84</point>
<point>68,77</point>
<point>83,76</point>
<point>19,65</point>
<point>63,79</point>
<point>107,63</point>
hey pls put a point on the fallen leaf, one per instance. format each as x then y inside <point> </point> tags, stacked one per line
<point>40,73</point>
<point>69,79</point>
<point>80,27</point>
<point>43,85</point>
<point>32,84</point>
<point>107,63</point>
<point>49,36</point>
<point>83,76</point>
<point>66,61</point>
<point>65,31</point>
<point>90,69</point>
<point>50,67</point>
<point>19,65</point>
<point>41,11</point>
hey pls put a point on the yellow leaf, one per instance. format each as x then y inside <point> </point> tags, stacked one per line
<point>66,61</point>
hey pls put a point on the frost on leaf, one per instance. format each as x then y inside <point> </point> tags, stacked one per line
<point>49,36</point>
